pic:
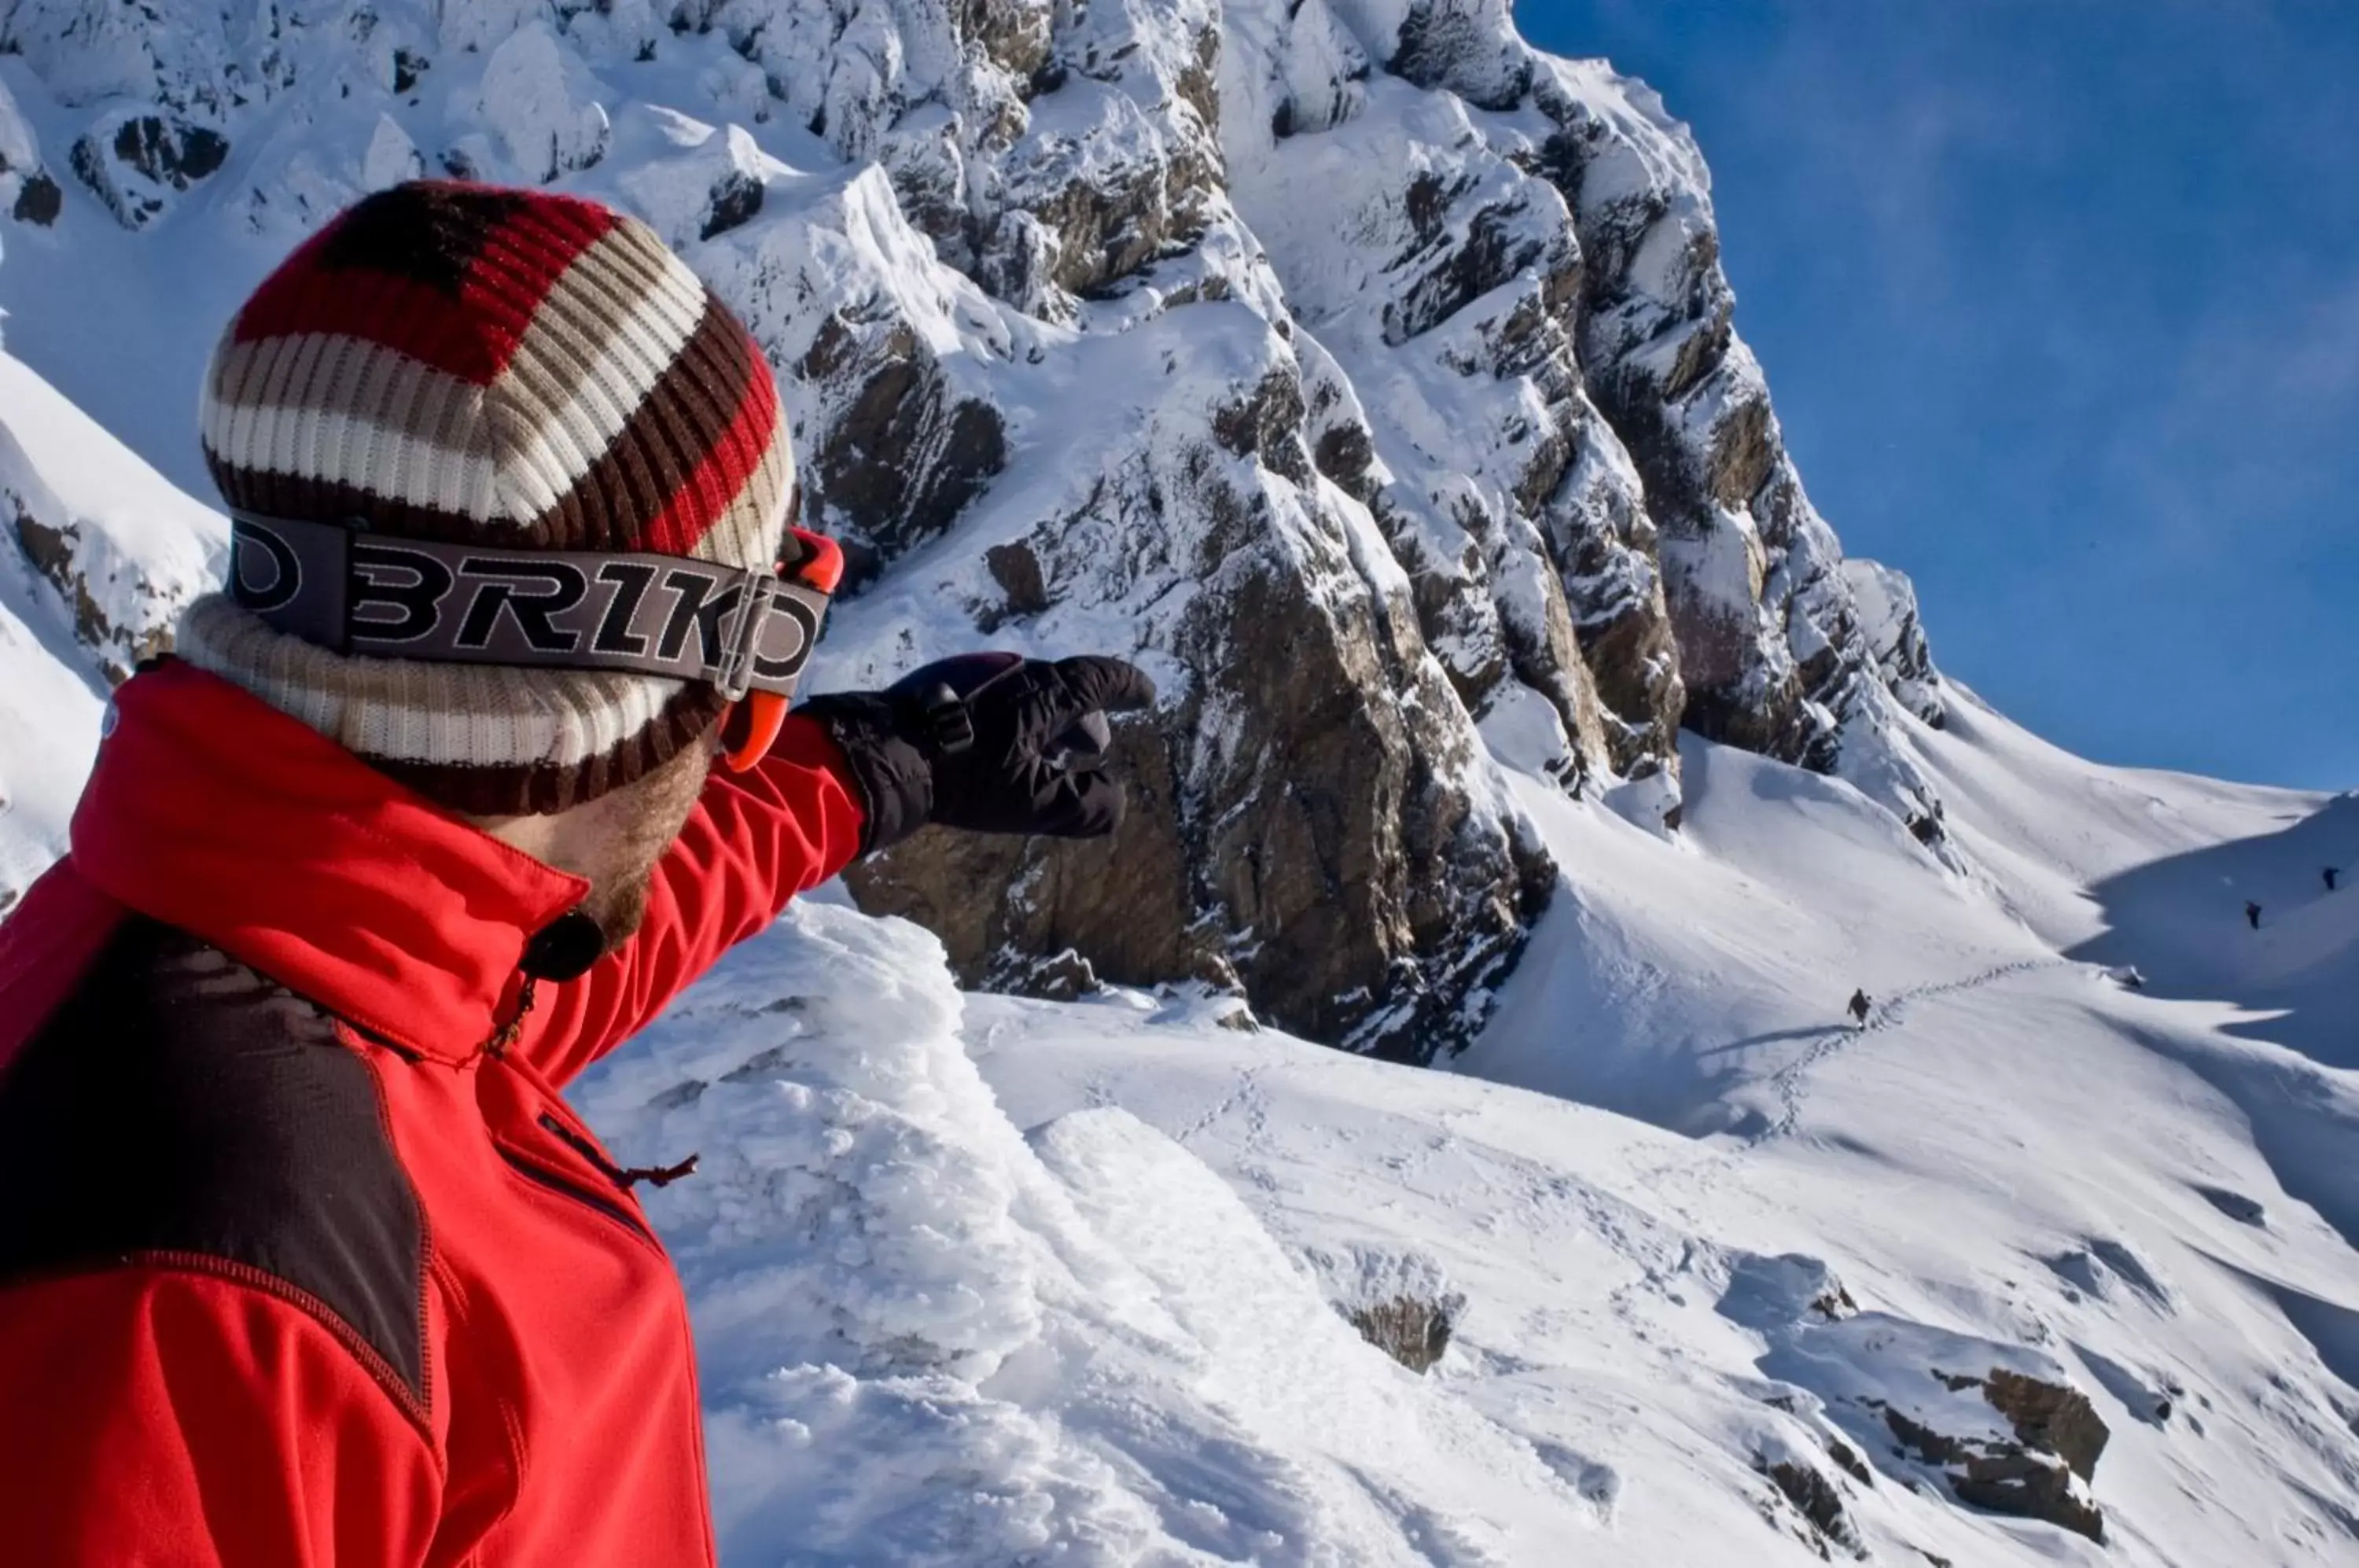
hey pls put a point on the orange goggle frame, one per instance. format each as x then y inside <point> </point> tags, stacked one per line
<point>752,724</point>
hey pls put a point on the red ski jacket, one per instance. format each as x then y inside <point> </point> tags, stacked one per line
<point>303,1261</point>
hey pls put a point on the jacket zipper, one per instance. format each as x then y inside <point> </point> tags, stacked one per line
<point>623,1177</point>
<point>535,1171</point>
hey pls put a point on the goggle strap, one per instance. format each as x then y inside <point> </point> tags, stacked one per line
<point>355,592</point>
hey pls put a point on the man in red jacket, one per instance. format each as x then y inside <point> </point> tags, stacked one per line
<point>303,1259</point>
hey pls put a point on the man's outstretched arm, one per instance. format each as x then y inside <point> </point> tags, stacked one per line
<point>988,743</point>
<point>755,841</point>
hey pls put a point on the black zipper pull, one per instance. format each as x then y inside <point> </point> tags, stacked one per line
<point>660,1176</point>
<point>623,1177</point>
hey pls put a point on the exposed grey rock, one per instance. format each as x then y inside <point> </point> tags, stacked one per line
<point>26,186</point>
<point>52,548</point>
<point>2015,1437</point>
<point>1412,1331</point>
<point>904,452</point>
<point>135,162</point>
<point>1127,173</point>
<point>1402,1303</point>
<point>2029,1477</point>
<point>2052,1417</point>
<point>1816,1498</point>
<point>1288,818</point>
<point>39,201</point>
<point>1605,545</point>
<point>2238,1206</point>
<point>2056,1437</point>
<point>734,198</point>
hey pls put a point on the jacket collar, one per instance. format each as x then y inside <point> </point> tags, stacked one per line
<point>211,811</point>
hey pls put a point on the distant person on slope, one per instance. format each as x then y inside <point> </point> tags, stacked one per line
<point>2253,914</point>
<point>303,1259</point>
<point>2331,873</point>
<point>1858,1007</point>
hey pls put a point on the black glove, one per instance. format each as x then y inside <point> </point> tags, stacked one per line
<point>988,742</point>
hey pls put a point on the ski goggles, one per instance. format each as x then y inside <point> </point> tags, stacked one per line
<point>748,633</point>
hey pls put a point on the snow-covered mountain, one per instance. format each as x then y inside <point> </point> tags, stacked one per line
<point>1371,379</point>
<point>1365,373</point>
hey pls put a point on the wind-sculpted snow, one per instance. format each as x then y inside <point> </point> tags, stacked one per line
<point>1436,452</point>
<point>926,1340</point>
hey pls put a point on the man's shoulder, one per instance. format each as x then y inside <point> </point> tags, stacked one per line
<point>181,1109</point>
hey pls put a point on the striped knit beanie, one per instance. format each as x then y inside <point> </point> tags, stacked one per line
<point>504,369</point>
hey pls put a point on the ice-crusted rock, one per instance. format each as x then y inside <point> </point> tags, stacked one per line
<point>120,549</point>
<point>1442,289</point>
<point>716,181</point>
<point>541,99</point>
<point>1816,1496</point>
<point>29,192</point>
<point>1690,405</point>
<point>1048,150</point>
<point>887,350</point>
<point>2001,1425</point>
<point>1703,586</point>
<point>1896,637</point>
<point>1446,278</point>
<point>1308,806</point>
<point>392,158</point>
<point>180,58</point>
<point>136,162</point>
<point>98,553</point>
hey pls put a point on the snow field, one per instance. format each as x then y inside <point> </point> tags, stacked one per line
<point>926,1339</point>
<point>2018,1163</point>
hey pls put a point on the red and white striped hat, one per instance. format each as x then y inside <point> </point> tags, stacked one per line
<point>507,370</point>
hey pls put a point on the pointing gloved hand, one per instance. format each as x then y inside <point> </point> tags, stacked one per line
<point>988,742</point>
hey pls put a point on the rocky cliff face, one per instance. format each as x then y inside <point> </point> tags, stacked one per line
<point>1367,374</point>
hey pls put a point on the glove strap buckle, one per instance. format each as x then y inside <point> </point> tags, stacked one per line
<point>947,723</point>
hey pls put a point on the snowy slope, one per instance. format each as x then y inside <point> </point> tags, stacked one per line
<point>98,552</point>
<point>49,703</point>
<point>930,1339</point>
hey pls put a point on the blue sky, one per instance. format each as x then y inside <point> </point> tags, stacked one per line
<point>2060,305</point>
